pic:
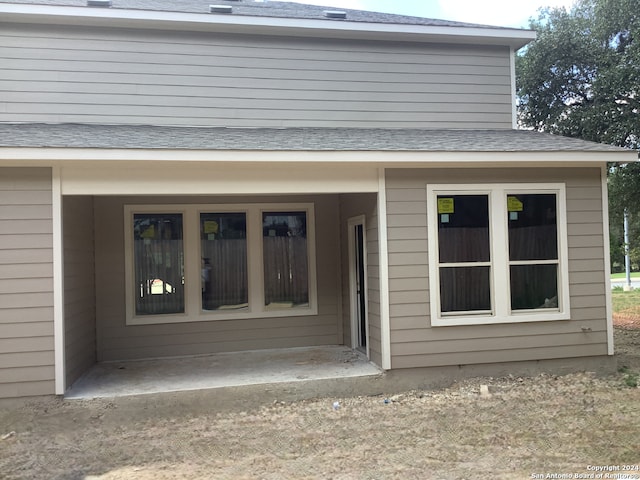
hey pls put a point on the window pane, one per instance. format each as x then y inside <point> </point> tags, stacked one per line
<point>286,275</point>
<point>465,289</point>
<point>463,228</point>
<point>532,227</point>
<point>223,241</point>
<point>534,286</point>
<point>158,263</point>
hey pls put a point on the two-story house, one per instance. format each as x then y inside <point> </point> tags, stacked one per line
<point>181,178</point>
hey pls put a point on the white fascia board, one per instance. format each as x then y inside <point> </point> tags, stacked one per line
<point>92,16</point>
<point>40,155</point>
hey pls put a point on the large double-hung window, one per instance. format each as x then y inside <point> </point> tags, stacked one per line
<point>215,262</point>
<point>497,253</point>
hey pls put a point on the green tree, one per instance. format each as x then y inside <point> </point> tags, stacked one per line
<point>581,78</point>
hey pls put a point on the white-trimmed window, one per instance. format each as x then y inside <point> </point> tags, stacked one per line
<point>497,253</point>
<point>188,263</point>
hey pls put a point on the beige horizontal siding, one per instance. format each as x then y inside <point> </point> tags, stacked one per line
<point>117,341</point>
<point>205,348</point>
<point>373,289</point>
<point>412,331</point>
<point>465,346</point>
<point>26,282</point>
<point>27,344</point>
<point>414,343</point>
<point>15,315</point>
<point>19,285</point>
<point>499,356</point>
<point>25,212</point>
<point>26,389</point>
<point>29,257</point>
<point>29,359</point>
<point>27,270</point>
<point>73,74</point>
<point>420,283</point>
<point>23,329</point>
<point>79,286</point>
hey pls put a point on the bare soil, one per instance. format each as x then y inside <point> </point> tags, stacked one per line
<point>524,426</point>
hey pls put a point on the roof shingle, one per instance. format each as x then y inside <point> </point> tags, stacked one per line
<point>260,8</point>
<point>33,135</point>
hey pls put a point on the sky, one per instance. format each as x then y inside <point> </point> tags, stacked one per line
<point>504,13</point>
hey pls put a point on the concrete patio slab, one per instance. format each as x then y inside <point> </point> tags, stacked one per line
<point>114,379</point>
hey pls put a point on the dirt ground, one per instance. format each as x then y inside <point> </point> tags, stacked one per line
<point>524,427</point>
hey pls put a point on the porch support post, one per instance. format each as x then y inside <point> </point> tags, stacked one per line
<point>607,260</point>
<point>58,281</point>
<point>385,329</point>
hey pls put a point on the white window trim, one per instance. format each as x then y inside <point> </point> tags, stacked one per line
<point>192,274</point>
<point>498,235</point>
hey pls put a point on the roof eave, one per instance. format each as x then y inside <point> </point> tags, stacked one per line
<point>45,155</point>
<point>66,15</point>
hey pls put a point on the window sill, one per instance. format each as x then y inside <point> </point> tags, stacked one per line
<point>489,320</point>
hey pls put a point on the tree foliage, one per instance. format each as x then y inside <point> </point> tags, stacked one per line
<point>581,78</point>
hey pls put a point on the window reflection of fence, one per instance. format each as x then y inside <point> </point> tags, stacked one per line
<point>538,242</point>
<point>224,273</point>
<point>534,286</point>
<point>286,271</point>
<point>464,244</point>
<point>158,274</point>
<point>465,289</point>
<point>468,288</point>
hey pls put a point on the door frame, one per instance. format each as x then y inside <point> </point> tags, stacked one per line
<point>352,223</point>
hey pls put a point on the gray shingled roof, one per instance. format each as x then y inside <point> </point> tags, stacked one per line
<point>265,8</point>
<point>287,139</point>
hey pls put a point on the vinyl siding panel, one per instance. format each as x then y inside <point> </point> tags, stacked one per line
<point>26,389</point>
<point>26,283</point>
<point>117,341</point>
<point>72,74</point>
<point>373,290</point>
<point>15,315</point>
<point>414,343</point>
<point>79,286</point>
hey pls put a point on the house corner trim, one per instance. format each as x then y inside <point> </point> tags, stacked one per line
<point>385,330</point>
<point>58,281</point>
<point>607,260</point>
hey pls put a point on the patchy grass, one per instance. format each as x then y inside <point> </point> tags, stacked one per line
<point>623,275</point>
<point>629,378</point>
<point>627,303</point>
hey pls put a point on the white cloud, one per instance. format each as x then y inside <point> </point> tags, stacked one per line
<point>507,13</point>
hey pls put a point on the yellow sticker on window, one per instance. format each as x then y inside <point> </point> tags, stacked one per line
<point>513,204</point>
<point>445,205</point>
<point>210,226</point>
<point>149,232</point>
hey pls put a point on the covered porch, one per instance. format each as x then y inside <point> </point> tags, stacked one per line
<point>111,350</point>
